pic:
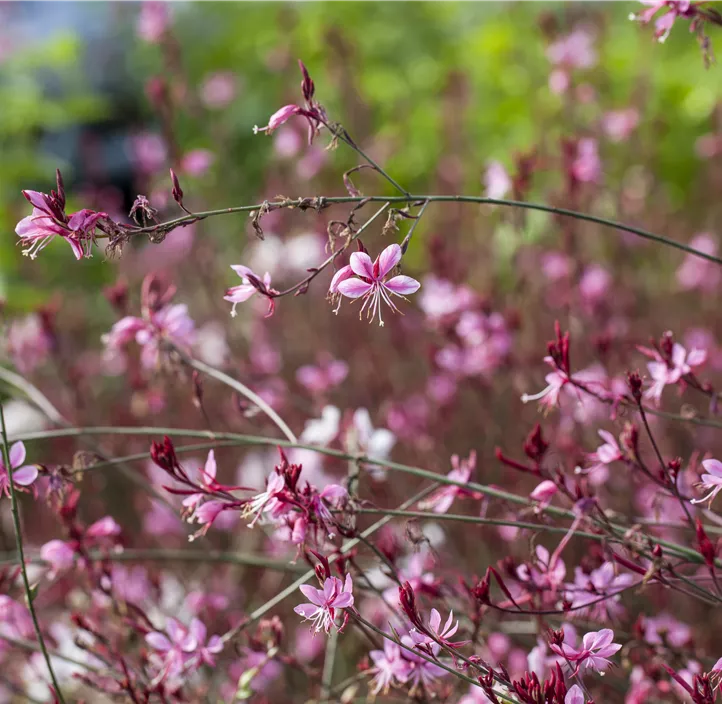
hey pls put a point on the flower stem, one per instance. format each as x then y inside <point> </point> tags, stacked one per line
<point>21,555</point>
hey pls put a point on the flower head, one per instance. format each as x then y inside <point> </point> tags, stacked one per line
<point>369,281</point>
<point>440,501</point>
<point>49,220</point>
<point>23,476</point>
<point>596,648</point>
<point>711,481</point>
<point>324,603</point>
<point>251,285</point>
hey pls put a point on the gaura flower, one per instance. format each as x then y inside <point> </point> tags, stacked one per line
<point>596,647</point>
<point>49,220</point>
<point>665,372</point>
<point>23,476</point>
<point>711,481</point>
<point>325,602</point>
<point>369,281</point>
<point>251,285</point>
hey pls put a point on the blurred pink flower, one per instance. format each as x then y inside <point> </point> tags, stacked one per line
<point>320,379</point>
<point>574,51</point>
<point>153,20</point>
<point>605,455</point>
<point>28,343</point>
<point>697,273</point>
<point>369,281</point>
<point>556,266</point>
<point>663,24</point>
<point>594,284</point>
<point>586,167</point>
<point>497,181</point>
<point>148,153</point>
<point>251,285</point>
<point>197,162</point>
<point>207,480</point>
<point>390,667</point>
<point>59,554</point>
<point>23,475</point>
<point>711,481</point>
<point>442,499</point>
<point>574,695</point>
<point>218,90</point>
<point>549,396</point>
<point>543,494</point>
<point>663,373</point>
<point>324,603</point>
<point>619,124</point>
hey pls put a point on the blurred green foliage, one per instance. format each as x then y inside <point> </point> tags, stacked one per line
<point>394,74</point>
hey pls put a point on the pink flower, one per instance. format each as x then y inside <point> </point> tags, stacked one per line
<point>267,501</point>
<point>203,651</point>
<point>605,455</point>
<point>48,220</point>
<point>23,476</point>
<point>321,378</point>
<point>711,481</point>
<point>596,647</point>
<point>370,283</point>
<point>544,493</point>
<point>697,273</point>
<point>671,372</point>
<point>390,667</point>
<point>251,285</point>
<point>594,284</point>
<point>586,166</point>
<point>173,646</point>
<point>104,528</point>
<point>588,588</point>
<point>197,162</point>
<point>279,118</point>
<point>153,21</point>
<point>218,90</point>
<point>59,554</point>
<point>442,635</point>
<point>334,596</point>
<point>663,25</point>
<point>440,501</point>
<point>619,124</point>
<point>170,321</point>
<point>207,477</point>
<point>28,343</point>
<point>543,574</point>
<point>549,396</point>
<point>496,181</point>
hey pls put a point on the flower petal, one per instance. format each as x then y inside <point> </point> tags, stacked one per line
<point>25,476</point>
<point>354,288</point>
<point>388,259</point>
<point>17,454</point>
<point>211,467</point>
<point>403,285</point>
<point>315,596</point>
<point>342,274</point>
<point>239,294</point>
<point>242,271</point>
<point>362,265</point>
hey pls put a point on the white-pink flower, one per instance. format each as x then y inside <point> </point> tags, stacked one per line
<point>325,602</point>
<point>251,284</point>
<point>440,501</point>
<point>23,476</point>
<point>369,281</point>
<point>207,477</point>
<point>549,396</point>
<point>596,648</point>
<point>711,481</point>
<point>663,373</point>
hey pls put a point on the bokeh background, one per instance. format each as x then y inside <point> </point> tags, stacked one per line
<point>114,94</point>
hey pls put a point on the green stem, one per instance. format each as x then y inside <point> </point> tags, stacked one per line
<point>320,202</point>
<point>21,554</point>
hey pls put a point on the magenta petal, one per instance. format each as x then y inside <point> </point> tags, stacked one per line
<point>342,274</point>
<point>403,285</point>
<point>25,476</point>
<point>388,259</point>
<point>343,600</point>
<point>354,288</point>
<point>17,454</point>
<point>315,596</point>
<point>76,247</point>
<point>362,265</point>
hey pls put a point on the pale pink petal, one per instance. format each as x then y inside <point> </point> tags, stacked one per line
<point>388,259</point>
<point>608,437</point>
<point>435,620</point>
<point>239,294</point>
<point>403,285</point>
<point>25,476</point>
<point>696,357</point>
<point>362,265</point>
<point>306,610</point>
<point>345,272</point>
<point>210,468</point>
<point>315,596</point>
<point>713,467</point>
<point>158,641</point>
<point>348,584</point>
<point>354,288</point>
<point>17,454</point>
<point>574,696</point>
<point>342,601</point>
<point>242,271</point>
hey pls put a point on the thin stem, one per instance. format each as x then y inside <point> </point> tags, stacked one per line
<point>252,440</point>
<point>240,388</point>
<point>412,229</point>
<point>328,663</point>
<point>21,554</point>
<point>322,202</point>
